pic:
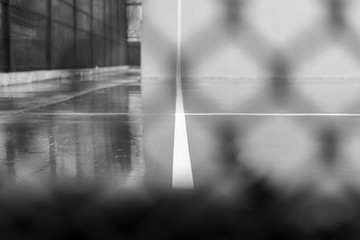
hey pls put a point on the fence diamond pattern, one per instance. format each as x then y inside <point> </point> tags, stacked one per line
<point>299,145</point>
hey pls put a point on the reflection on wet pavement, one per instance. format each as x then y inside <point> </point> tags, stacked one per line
<point>119,133</point>
<point>95,135</point>
<point>58,142</point>
<point>17,98</point>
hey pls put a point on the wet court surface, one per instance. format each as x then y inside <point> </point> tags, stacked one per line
<point>249,149</point>
<point>91,134</point>
<point>117,131</point>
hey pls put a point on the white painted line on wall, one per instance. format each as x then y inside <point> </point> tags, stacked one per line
<point>182,176</point>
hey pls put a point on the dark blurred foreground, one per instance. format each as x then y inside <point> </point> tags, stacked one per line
<point>92,213</point>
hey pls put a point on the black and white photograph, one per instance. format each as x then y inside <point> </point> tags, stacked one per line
<point>180,119</point>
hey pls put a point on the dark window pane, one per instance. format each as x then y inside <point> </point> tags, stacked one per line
<point>98,9</point>
<point>83,21</point>
<point>2,53</point>
<point>84,5</point>
<point>63,12</point>
<point>28,41</point>
<point>115,53</point>
<point>114,19</point>
<point>63,55</point>
<point>134,52</point>
<point>108,53</point>
<point>71,2</point>
<point>83,49</point>
<point>98,27</point>
<point>107,13</point>
<point>35,6</point>
<point>98,48</point>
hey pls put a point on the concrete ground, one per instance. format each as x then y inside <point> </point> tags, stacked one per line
<point>285,154</point>
<point>120,131</point>
<point>83,130</point>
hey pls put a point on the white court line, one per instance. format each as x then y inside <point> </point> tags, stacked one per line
<point>83,114</point>
<point>278,114</point>
<point>100,114</point>
<point>182,176</point>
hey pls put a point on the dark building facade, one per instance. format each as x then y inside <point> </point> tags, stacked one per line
<point>62,34</point>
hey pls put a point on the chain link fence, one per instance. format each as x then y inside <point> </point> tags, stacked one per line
<point>289,121</point>
<point>281,89</point>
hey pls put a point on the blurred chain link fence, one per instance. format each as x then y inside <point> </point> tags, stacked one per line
<point>289,118</point>
<point>280,87</point>
<point>57,34</point>
<point>285,90</point>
